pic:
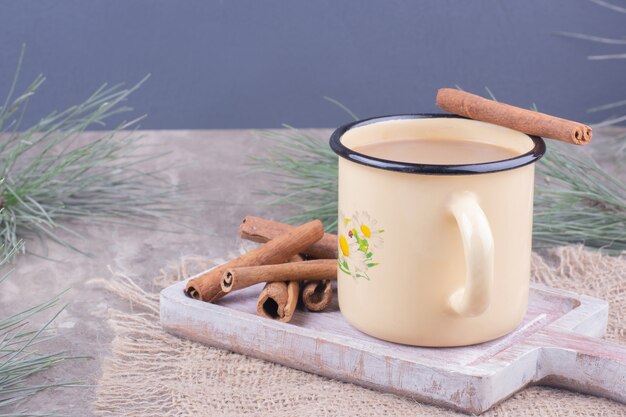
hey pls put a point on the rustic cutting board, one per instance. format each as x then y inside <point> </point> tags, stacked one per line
<point>557,344</point>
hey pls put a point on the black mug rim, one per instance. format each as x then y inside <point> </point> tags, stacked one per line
<point>343,151</point>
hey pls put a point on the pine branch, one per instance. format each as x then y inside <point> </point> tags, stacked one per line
<point>49,177</point>
<point>19,357</point>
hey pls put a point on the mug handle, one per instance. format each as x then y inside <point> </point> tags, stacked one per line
<point>474,298</point>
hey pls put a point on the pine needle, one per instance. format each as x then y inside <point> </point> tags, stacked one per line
<point>19,358</point>
<point>304,171</point>
<point>576,201</point>
<point>49,177</point>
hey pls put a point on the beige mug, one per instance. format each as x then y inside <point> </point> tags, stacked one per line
<point>434,255</point>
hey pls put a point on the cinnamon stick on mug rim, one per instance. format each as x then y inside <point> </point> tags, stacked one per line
<point>526,121</point>
<point>262,230</point>
<point>206,286</point>
<point>236,278</point>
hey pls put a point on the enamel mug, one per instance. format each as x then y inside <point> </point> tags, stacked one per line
<point>434,255</point>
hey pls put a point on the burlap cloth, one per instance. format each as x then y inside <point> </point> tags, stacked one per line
<point>151,373</point>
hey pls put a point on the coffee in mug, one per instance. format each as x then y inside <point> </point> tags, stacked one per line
<point>436,151</point>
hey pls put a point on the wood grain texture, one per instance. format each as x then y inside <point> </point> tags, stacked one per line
<point>555,345</point>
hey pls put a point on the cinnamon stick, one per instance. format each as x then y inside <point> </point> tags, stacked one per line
<point>317,295</point>
<point>241,277</point>
<point>206,286</point>
<point>278,300</point>
<point>262,230</point>
<point>527,121</point>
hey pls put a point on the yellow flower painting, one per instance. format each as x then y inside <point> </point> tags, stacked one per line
<point>359,236</point>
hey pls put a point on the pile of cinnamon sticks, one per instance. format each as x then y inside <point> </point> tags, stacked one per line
<point>295,262</point>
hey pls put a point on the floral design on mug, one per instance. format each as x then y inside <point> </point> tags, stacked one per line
<point>359,237</point>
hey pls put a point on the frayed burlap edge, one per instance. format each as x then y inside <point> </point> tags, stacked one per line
<point>152,373</point>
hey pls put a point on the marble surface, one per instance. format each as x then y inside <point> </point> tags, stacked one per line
<point>212,164</point>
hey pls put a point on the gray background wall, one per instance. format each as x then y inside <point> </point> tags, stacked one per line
<point>251,63</point>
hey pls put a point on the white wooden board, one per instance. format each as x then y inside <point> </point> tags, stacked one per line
<point>557,344</point>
